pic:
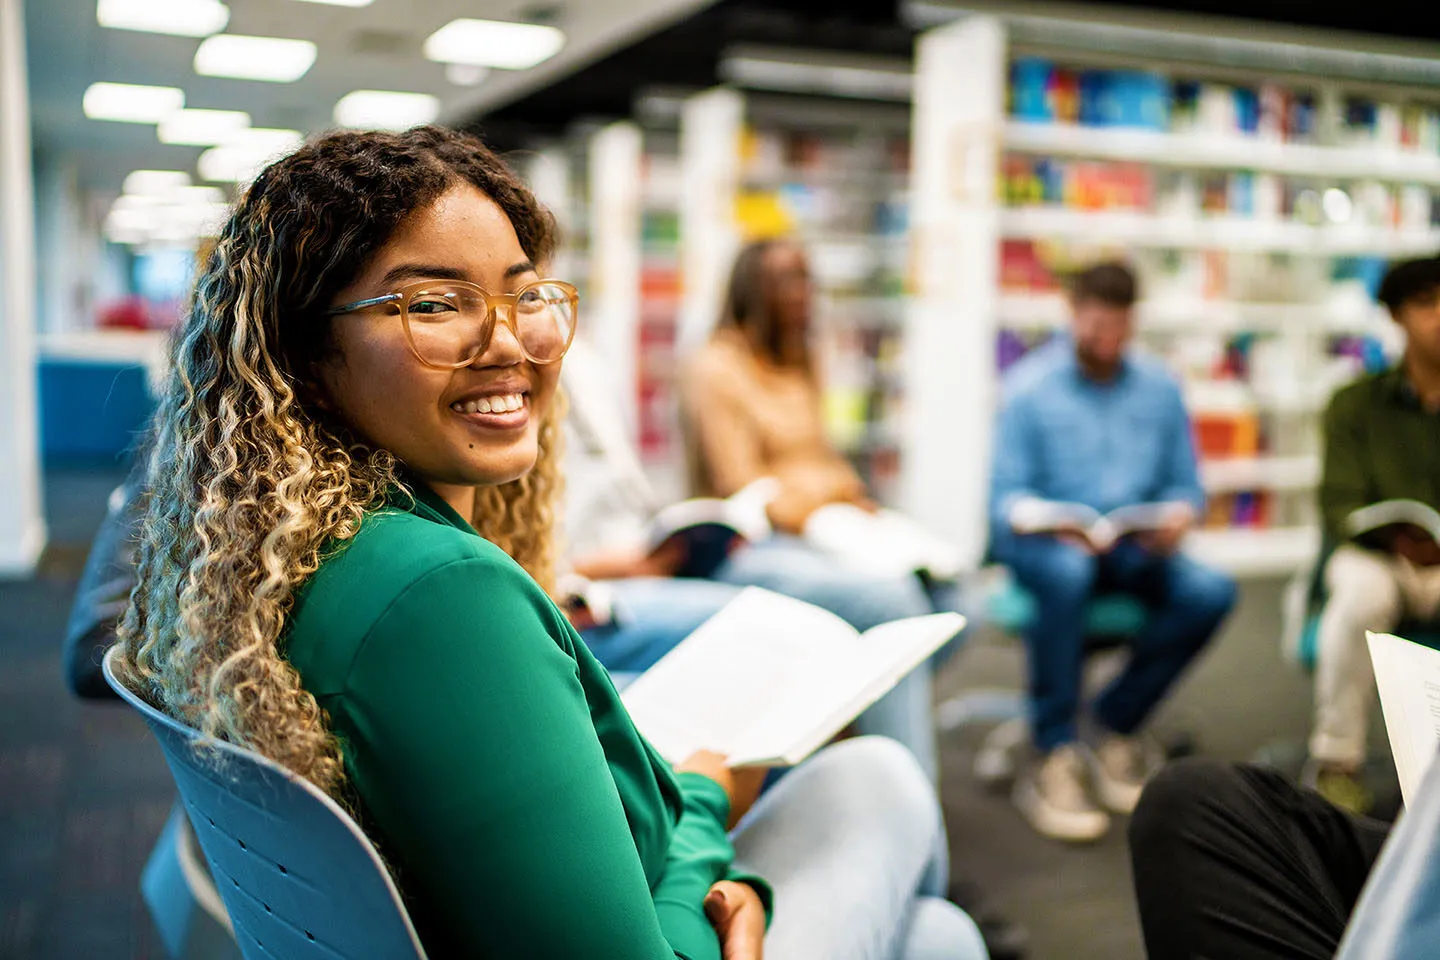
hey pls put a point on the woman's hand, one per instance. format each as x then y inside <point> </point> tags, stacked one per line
<point>738,916</point>
<point>742,786</point>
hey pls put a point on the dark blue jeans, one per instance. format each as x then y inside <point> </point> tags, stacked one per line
<point>1186,601</point>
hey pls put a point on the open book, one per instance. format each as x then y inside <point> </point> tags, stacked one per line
<point>1102,530</point>
<point>1408,677</point>
<point>1394,513</point>
<point>883,543</point>
<point>709,527</point>
<point>769,680</point>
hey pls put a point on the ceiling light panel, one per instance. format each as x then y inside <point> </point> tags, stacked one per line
<point>385,109</point>
<point>342,3</point>
<point>155,182</point>
<point>202,128</point>
<point>185,18</point>
<point>131,102</point>
<point>254,58</point>
<point>494,43</point>
<point>241,160</point>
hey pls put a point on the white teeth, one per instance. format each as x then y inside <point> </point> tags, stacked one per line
<point>508,403</point>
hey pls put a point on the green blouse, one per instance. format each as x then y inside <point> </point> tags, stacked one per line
<point>500,775</point>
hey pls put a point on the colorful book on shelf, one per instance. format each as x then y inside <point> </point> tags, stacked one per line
<point>769,680</point>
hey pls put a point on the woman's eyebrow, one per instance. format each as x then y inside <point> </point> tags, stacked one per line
<point>516,269</point>
<point>421,271</point>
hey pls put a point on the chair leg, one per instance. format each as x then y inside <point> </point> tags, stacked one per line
<point>183,902</point>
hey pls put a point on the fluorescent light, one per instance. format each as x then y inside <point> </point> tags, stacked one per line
<point>835,79</point>
<point>198,196</point>
<point>342,3</point>
<point>466,74</point>
<point>385,109</point>
<point>494,43</point>
<point>241,161</point>
<point>269,141</point>
<point>155,183</point>
<point>201,128</point>
<point>185,18</point>
<point>254,58</point>
<point>131,102</point>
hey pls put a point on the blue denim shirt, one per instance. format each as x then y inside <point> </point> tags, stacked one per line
<point>1062,436</point>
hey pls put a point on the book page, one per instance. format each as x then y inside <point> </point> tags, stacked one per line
<point>844,688</point>
<point>737,676</point>
<point>1407,675</point>
<point>1391,512</point>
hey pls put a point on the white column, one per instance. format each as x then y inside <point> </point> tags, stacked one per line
<point>614,297</point>
<point>22,525</point>
<point>710,126</point>
<point>950,323</point>
<point>65,256</point>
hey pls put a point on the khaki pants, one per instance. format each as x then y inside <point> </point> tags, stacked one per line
<point>1368,590</point>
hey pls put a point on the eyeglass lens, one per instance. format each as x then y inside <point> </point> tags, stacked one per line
<point>450,324</point>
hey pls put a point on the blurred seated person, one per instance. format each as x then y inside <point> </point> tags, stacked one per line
<point>645,609</point>
<point>751,399</point>
<point>1085,420</point>
<point>1237,861</point>
<point>1382,442</point>
<point>752,394</point>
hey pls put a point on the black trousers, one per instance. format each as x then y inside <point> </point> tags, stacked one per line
<point>1238,863</point>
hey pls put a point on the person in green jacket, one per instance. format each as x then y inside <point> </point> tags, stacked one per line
<point>343,566</point>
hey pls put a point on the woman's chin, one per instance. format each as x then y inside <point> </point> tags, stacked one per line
<point>501,466</point>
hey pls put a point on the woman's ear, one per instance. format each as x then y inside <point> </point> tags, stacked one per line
<point>313,390</point>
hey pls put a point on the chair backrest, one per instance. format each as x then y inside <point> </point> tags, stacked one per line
<point>298,877</point>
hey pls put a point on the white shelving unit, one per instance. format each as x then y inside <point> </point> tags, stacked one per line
<point>1206,233</point>
<point>1201,152</point>
<point>1050,311</point>
<point>961,146</point>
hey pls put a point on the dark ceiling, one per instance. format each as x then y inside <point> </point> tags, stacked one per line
<point>686,55</point>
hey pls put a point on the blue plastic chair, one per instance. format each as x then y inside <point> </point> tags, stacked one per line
<point>182,898</point>
<point>298,878</point>
<point>1110,621</point>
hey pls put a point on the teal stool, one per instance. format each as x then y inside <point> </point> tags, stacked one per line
<point>1110,621</point>
<point>1307,647</point>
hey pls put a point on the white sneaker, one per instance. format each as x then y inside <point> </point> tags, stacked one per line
<point>1051,796</point>
<point>1119,769</point>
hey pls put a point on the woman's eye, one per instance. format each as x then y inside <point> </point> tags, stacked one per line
<point>531,299</point>
<point>431,306</point>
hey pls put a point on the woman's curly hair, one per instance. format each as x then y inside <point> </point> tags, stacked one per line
<point>250,483</point>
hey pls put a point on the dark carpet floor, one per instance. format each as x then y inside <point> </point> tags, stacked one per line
<point>84,791</point>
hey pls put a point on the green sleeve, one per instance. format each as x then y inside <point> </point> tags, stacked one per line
<point>1344,485</point>
<point>699,846</point>
<point>473,748</point>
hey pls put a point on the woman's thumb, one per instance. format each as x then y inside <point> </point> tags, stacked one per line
<point>717,907</point>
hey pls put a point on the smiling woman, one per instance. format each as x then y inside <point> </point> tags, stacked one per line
<point>341,564</point>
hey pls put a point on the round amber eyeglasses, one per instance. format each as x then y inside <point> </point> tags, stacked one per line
<point>448,323</point>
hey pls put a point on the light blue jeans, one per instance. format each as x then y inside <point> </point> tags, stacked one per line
<point>854,845</point>
<point>657,613</point>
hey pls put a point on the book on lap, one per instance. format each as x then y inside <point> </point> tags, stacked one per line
<point>769,680</point>
<point>1394,513</point>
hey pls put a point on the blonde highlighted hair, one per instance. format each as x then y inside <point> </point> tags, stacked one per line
<point>250,483</point>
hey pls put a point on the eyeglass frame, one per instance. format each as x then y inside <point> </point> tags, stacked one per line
<point>401,296</point>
